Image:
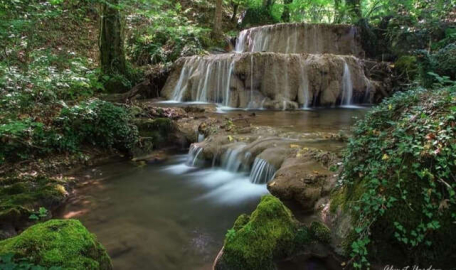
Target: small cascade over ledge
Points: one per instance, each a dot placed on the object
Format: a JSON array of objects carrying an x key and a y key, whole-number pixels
[{"x": 280, "y": 67}]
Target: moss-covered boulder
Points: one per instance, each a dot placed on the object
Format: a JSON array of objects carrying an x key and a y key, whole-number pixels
[
  {"x": 270, "y": 234},
  {"x": 398, "y": 183},
  {"x": 21, "y": 196},
  {"x": 255, "y": 241},
  {"x": 57, "y": 243}
]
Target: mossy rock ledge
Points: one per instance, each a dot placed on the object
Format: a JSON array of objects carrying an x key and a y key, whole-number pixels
[
  {"x": 397, "y": 199},
  {"x": 65, "y": 244},
  {"x": 268, "y": 235}
]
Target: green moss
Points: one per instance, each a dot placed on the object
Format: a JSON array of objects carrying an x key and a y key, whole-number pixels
[
  {"x": 19, "y": 199},
  {"x": 320, "y": 232},
  {"x": 302, "y": 237},
  {"x": 269, "y": 233},
  {"x": 337, "y": 199},
  {"x": 61, "y": 243},
  {"x": 241, "y": 221}
]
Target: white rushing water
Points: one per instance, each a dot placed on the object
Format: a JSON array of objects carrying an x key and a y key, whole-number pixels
[
  {"x": 297, "y": 38},
  {"x": 231, "y": 160},
  {"x": 262, "y": 172},
  {"x": 347, "y": 86},
  {"x": 292, "y": 73}
]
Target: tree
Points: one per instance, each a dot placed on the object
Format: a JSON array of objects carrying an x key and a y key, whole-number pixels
[
  {"x": 112, "y": 54},
  {"x": 217, "y": 30},
  {"x": 286, "y": 10}
]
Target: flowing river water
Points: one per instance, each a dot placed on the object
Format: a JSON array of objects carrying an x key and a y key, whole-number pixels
[{"x": 174, "y": 216}]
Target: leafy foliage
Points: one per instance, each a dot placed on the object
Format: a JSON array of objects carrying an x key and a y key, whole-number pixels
[
  {"x": 399, "y": 181},
  {"x": 92, "y": 122}
]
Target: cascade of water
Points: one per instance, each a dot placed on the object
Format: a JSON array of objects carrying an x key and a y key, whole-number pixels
[
  {"x": 347, "y": 86},
  {"x": 367, "y": 94},
  {"x": 193, "y": 154},
  {"x": 240, "y": 43},
  {"x": 262, "y": 172},
  {"x": 226, "y": 98},
  {"x": 262, "y": 103},
  {"x": 304, "y": 84},
  {"x": 200, "y": 137},
  {"x": 230, "y": 160},
  {"x": 177, "y": 95}
]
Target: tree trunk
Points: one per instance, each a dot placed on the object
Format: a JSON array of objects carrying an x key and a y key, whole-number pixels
[
  {"x": 112, "y": 55},
  {"x": 354, "y": 8},
  {"x": 286, "y": 10},
  {"x": 217, "y": 30}
]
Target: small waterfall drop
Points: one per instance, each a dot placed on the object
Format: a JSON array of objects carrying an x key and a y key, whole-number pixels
[
  {"x": 230, "y": 159},
  {"x": 347, "y": 86},
  {"x": 200, "y": 137},
  {"x": 262, "y": 172},
  {"x": 193, "y": 153},
  {"x": 304, "y": 84}
]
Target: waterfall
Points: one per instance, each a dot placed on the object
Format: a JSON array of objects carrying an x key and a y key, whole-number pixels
[
  {"x": 304, "y": 84},
  {"x": 240, "y": 43},
  {"x": 347, "y": 86},
  {"x": 193, "y": 153},
  {"x": 367, "y": 94},
  {"x": 200, "y": 137},
  {"x": 282, "y": 62},
  {"x": 284, "y": 38},
  {"x": 226, "y": 98},
  {"x": 262, "y": 172},
  {"x": 230, "y": 159}
]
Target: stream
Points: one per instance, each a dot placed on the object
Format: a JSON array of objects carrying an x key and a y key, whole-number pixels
[{"x": 174, "y": 216}]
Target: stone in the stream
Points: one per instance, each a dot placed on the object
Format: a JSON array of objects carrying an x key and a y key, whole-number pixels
[
  {"x": 255, "y": 240},
  {"x": 57, "y": 243},
  {"x": 302, "y": 180},
  {"x": 270, "y": 236}
]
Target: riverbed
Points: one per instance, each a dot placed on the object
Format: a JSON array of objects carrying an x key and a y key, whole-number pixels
[{"x": 175, "y": 216}]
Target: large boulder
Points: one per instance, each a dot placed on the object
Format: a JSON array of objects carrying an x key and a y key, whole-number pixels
[
  {"x": 56, "y": 243},
  {"x": 269, "y": 236}
]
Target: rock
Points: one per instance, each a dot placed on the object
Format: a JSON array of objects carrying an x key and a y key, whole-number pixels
[
  {"x": 58, "y": 243},
  {"x": 254, "y": 241},
  {"x": 301, "y": 180},
  {"x": 271, "y": 236},
  {"x": 277, "y": 79}
]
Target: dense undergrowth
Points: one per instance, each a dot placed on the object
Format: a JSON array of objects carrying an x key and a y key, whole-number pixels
[
  {"x": 399, "y": 181},
  {"x": 94, "y": 122}
]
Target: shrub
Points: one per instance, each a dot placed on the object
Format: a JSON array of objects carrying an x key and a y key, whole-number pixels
[{"x": 398, "y": 180}]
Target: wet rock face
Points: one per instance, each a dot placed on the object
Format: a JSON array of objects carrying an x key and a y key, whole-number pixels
[
  {"x": 269, "y": 80},
  {"x": 280, "y": 67},
  {"x": 301, "y": 38}
]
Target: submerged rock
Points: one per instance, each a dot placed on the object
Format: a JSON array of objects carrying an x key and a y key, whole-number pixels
[{"x": 57, "y": 243}]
